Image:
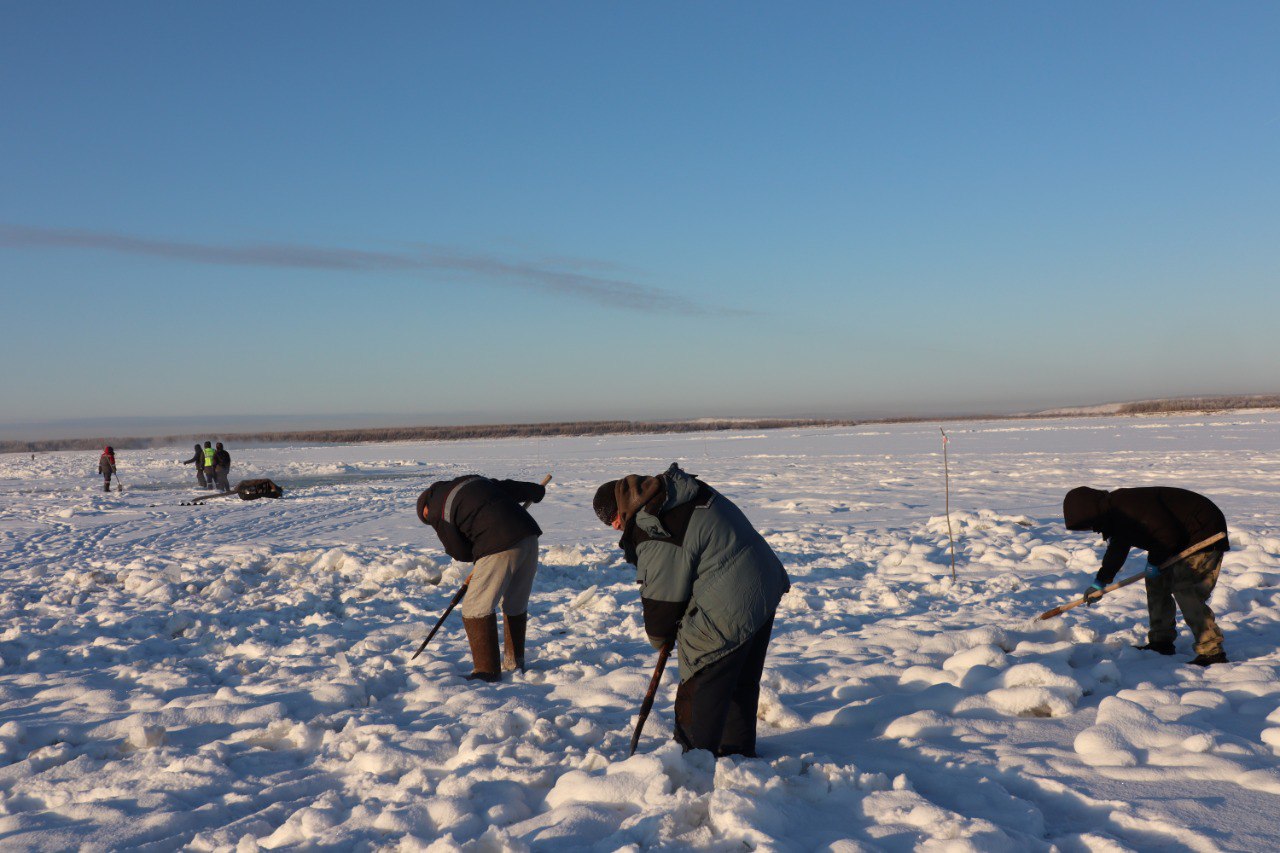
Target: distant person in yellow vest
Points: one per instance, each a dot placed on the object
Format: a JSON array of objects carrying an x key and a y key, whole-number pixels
[{"x": 209, "y": 453}]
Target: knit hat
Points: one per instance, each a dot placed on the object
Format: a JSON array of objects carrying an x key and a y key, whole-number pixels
[{"x": 605, "y": 502}]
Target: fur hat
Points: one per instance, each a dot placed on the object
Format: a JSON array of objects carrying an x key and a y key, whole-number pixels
[{"x": 622, "y": 499}]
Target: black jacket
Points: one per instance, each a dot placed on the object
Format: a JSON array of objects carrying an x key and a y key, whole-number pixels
[
  {"x": 475, "y": 516},
  {"x": 198, "y": 459},
  {"x": 222, "y": 459},
  {"x": 1160, "y": 520}
]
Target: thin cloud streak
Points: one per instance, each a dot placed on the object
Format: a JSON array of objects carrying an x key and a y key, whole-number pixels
[{"x": 547, "y": 277}]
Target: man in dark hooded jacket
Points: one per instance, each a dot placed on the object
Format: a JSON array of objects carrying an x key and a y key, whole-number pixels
[
  {"x": 708, "y": 581},
  {"x": 198, "y": 459},
  {"x": 1165, "y": 522},
  {"x": 481, "y": 521},
  {"x": 221, "y": 468}
]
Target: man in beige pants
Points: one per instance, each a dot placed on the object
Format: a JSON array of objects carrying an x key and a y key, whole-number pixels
[{"x": 482, "y": 521}]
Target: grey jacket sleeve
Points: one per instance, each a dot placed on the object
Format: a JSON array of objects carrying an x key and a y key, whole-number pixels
[{"x": 665, "y": 573}]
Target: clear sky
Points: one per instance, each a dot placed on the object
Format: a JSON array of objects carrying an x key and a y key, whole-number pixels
[{"x": 444, "y": 211}]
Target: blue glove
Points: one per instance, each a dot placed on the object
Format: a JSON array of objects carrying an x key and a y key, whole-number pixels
[
  {"x": 1092, "y": 595},
  {"x": 1152, "y": 572}
]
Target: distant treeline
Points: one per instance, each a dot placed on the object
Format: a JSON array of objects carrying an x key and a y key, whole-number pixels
[
  {"x": 458, "y": 433},
  {"x": 438, "y": 433},
  {"x": 1200, "y": 404}
]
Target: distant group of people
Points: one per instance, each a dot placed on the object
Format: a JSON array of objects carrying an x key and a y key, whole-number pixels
[{"x": 213, "y": 464}]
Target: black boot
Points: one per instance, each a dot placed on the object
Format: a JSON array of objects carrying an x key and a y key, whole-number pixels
[
  {"x": 1210, "y": 660},
  {"x": 482, "y": 634},
  {"x": 1165, "y": 648},
  {"x": 513, "y": 628}
]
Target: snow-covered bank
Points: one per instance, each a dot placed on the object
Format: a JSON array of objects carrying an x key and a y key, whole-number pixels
[{"x": 237, "y": 674}]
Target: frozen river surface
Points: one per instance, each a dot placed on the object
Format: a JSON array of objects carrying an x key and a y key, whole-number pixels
[{"x": 236, "y": 676}]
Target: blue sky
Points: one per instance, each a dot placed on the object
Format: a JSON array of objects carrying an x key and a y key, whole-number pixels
[{"x": 442, "y": 212}]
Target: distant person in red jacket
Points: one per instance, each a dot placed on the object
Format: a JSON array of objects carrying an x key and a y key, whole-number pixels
[{"x": 107, "y": 467}]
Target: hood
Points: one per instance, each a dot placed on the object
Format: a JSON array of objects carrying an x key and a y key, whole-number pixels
[
  {"x": 425, "y": 498},
  {"x": 680, "y": 487},
  {"x": 1083, "y": 508}
]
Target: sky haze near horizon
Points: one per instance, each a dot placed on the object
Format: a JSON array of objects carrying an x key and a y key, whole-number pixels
[{"x": 563, "y": 210}]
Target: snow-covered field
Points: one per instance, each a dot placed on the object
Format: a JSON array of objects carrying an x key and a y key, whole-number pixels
[{"x": 237, "y": 675}]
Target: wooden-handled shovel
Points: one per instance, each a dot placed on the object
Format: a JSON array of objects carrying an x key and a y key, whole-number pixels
[{"x": 1063, "y": 608}]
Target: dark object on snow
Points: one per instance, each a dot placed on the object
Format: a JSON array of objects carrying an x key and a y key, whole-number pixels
[
  {"x": 647, "y": 705},
  {"x": 1158, "y": 648},
  {"x": 246, "y": 490},
  {"x": 251, "y": 490}
]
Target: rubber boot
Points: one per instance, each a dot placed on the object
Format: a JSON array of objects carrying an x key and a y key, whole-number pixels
[
  {"x": 106, "y": 487},
  {"x": 1210, "y": 660},
  {"x": 482, "y": 634},
  {"x": 513, "y": 628},
  {"x": 1161, "y": 648}
]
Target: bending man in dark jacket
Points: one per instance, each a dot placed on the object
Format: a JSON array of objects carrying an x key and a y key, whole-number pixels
[
  {"x": 1164, "y": 522},
  {"x": 482, "y": 521},
  {"x": 709, "y": 581},
  {"x": 199, "y": 460}
]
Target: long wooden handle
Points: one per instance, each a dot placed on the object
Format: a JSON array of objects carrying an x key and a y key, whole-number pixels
[
  {"x": 462, "y": 590},
  {"x": 1186, "y": 552},
  {"x": 647, "y": 705}
]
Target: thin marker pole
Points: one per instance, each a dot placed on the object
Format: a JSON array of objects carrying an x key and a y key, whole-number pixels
[{"x": 946, "y": 472}]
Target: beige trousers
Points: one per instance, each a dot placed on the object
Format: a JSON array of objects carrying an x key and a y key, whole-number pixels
[{"x": 506, "y": 576}]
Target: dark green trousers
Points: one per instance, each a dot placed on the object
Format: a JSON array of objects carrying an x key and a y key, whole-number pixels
[{"x": 1188, "y": 583}]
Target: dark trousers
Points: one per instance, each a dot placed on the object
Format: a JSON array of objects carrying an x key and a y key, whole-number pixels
[
  {"x": 1189, "y": 583},
  {"x": 716, "y": 708}
]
